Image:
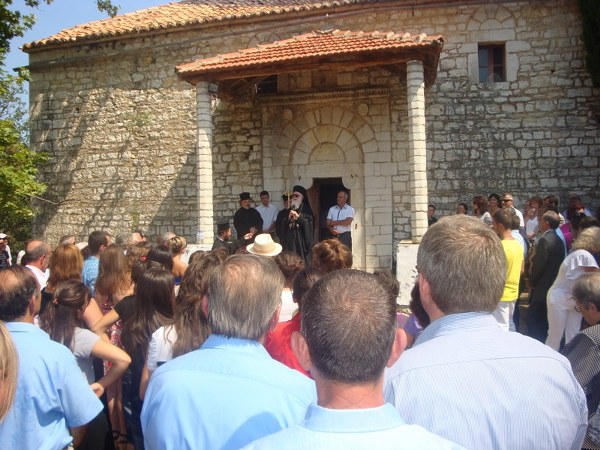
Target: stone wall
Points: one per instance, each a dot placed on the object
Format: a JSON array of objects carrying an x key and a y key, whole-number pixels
[{"x": 120, "y": 126}]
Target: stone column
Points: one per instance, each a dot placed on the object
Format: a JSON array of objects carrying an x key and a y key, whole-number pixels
[
  {"x": 417, "y": 149},
  {"x": 204, "y": 126}
]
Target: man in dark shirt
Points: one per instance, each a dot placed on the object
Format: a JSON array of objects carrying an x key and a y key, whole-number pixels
[
  {"x": 4, "y": 258},
  {"x": 246, "y": 219},
  {"x": 548, "y": 256},
  {"x": 431, "y": 219},
  {"x": 223, "y": 238}
]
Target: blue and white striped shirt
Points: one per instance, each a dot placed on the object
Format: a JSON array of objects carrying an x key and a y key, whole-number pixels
[
  {"x": 482, "y": 387},
  {"x": 89, "y": 274}
]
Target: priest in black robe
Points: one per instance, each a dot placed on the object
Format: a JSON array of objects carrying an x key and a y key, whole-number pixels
[
  {"x": 298, "y": 226},
  {"x": 246, "y": 219},
  {"x": 223, "y": 239}
]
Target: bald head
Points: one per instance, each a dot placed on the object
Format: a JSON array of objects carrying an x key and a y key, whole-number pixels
[
  {"x": 18, "y": 288},
  {"x": 37, "y": 254}
]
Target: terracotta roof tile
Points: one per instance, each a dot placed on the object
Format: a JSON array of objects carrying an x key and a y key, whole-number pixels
[
  {"x": 310, "y": 46},
  {"x": 181, "y": 14}
]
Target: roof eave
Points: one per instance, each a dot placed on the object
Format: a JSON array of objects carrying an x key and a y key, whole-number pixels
[{"x": 429, "y": 54}]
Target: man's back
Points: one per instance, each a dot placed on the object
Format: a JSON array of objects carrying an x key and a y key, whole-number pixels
[
  {"x": 549, "y": 254},
  {"x": 89, "y": 274},
  {"x": 484, "y": 388},
  {"x": 223, "y": 396},
  {"x": 52, "y": 395}
]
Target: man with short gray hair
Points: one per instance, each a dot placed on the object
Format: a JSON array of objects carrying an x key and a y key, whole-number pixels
[
  {"x": 468, "y": 380},
  {"x": 230, "y": 391},
  {"x": 339, "y": 219},
  {"x": 37, "y": 258}
]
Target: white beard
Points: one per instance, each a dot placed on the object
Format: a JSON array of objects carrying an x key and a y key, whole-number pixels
[{"x": 296, "y": 202}]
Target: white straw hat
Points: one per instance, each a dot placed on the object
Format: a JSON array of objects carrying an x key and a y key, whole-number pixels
[{"x": 264, "y": 245}]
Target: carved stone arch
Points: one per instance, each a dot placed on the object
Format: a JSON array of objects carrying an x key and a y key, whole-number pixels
[
  {"x": 315, "y": 135},
  {"x": 492, "y": 17}
]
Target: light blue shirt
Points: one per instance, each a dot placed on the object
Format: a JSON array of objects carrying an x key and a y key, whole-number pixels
[
  {"x": 225, "y": 395},
  {"x": 52, "y": 394},
  {"x": 357, "y": 429},
  {"x": 89, "y": 274},
  {"x": 473, "y": 383}
]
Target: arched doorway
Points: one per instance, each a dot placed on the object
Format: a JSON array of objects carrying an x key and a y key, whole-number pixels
[
  {"x": 322, "y": 195},
  {"x": 327, "y": 147}
]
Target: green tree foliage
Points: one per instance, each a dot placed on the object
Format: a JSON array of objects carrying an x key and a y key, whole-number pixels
[
  {"x": 590, "y": 17},
  {"x": 12, "y": 106},
  {"x": 18, "y": 170},
  {"x": 18, "y": 164}
]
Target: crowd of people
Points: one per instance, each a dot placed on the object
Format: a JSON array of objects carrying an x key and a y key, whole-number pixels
[{"x": 263, "y": 343}]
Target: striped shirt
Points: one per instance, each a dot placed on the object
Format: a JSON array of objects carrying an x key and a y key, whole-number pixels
[
  {"x": 89, "y": 274},
  {"x": 482, "y": 387},
  {"x": 584, "y": 354}
]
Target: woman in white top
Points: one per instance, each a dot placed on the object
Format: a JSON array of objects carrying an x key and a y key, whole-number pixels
[
  {"x": 63, "y": 321},
  {"x": 531, "y": 217},
  {"x": 562, "y": 316},
  {"x": 480, "y": 209},
  {"x": 189, "y": 328}
]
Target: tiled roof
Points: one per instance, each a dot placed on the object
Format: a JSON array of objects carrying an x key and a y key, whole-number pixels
[
  {"x": 318, "y": 50},
  {"x": 182, "y": 14},
  {"x": 316, "y": 43}
]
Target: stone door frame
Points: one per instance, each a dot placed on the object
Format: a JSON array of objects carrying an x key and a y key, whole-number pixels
[{"x": 332, "y": 135}]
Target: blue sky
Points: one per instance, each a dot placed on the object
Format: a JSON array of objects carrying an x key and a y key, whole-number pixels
[{"x": 61, "y": 14}]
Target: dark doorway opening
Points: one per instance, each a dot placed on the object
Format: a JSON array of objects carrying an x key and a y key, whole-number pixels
[{"x": 322, "y": 196}]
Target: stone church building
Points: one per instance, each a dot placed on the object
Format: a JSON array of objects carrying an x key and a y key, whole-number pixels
[{"x": 158, "y": 119}]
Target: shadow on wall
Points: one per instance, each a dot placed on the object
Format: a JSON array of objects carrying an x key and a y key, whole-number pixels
[{"x": 116, "y": 169}]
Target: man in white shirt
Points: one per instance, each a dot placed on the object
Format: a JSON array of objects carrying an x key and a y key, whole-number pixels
[
  {"x": 339, "y": 219},
  {"x": 507, "y": 202},
  {"x": 37, "y": 258},
  {"x": 268, "y": 212}
]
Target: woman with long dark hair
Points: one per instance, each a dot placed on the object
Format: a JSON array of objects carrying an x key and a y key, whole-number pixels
[
  {"x": 113, "y": 283},
  {"x": 153, "y": 309},
  {"x": 62, "y": 320}
]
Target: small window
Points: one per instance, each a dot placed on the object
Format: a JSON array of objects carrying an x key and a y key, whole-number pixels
[
  {"x": 267, "y": 86},
  {"x": 492, "y": 63}
]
